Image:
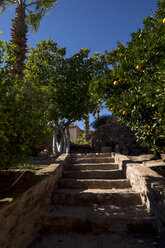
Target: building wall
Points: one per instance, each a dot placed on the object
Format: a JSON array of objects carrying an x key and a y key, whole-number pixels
[{"x": 75, "y": 131}]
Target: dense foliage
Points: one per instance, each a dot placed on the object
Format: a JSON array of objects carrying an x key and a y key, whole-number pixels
[
  {"x": 65, "y": 81},
  {"x": 21, "y": 121},
  {"x": 134, "y": 87},
  {"x": 80, "y": 140},
  {"x": 53, "y": 93}
]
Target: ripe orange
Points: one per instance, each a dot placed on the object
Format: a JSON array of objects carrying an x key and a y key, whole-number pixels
[
  {"x": 148, "y": 133},
  {"x": 112, "y": 109},
  {"x": 116, "y": 83},
  {"x": 164, "y": 21},
  {"x": 153, "y": 105},
  {"x": 149, "y": 127},
  {"x": 124, "y": 112},
  {"x": 139, "y": 66}
]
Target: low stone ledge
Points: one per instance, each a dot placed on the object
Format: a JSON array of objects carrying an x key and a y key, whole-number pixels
[
  {"x": 154, "y": 163},
  {"x": 141, "y": 158},
  {"x": 148, "y": 183},
  {"x": 151, "y": 187},
  {"x": 52, "y": 167},
  {"x": 141, "y": 179},
  {"x": 157, "y": 166},
  {"x": 20, "y": 220},
  {"x": 121, "y": 160}
]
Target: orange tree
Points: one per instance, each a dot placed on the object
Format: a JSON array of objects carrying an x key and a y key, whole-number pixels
[
  {"x": 64, "y": 82},
  {"x": 134, "y": 86}
]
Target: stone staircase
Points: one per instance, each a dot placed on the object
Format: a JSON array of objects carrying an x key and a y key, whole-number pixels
[{"x": 93, "y": 198}]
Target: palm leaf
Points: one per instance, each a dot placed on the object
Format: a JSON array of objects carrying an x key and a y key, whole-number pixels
[
  {"x": 6, "y": 3},
  {"x": 36, "y": 10}
]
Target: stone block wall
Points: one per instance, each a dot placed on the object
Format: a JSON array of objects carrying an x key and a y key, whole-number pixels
[
  {"x": 20, "y": 220},
  {"x": 149, "y": 184},
  {"x": 75, "y": 131}
]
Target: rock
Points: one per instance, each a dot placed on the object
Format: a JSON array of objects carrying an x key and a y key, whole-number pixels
[
  {"x": 141, "y": 158},
  {"x": 43, "y": 153},
  {"x": 162, "y": 156}
]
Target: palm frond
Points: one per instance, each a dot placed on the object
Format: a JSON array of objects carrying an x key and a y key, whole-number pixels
[
  {"x": 6, "y": 3},
  {"x": 36, "y": 10},
  {"x": 33, "y": 20},
  {"x": 2, "y": 6}
]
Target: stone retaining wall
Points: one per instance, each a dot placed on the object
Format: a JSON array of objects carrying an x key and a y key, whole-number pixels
[
  {"x": 20, "y": 220},
  {"x": 149, "y": 184}
]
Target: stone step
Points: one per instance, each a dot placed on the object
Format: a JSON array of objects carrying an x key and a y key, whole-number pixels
[
  {"x": 91, "y": 174},
  {"x": 93, "y": 160},
  {"x": 92, "y": 166},
  {"x": 94, "y": 183},
  {"x": 117, "y": 197},
  {"x": 95, "y": 240},
  {"x": 98, "y": 219},
  {"x": 89, "y": 155}
]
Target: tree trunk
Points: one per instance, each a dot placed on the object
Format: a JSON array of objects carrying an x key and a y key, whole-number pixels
[
  {"x": 55, "y": 150},
  {"x": 86, "y": 129},
  {"x": 18, "y": 33},
  {"x": 67, "y": 140},
  {"x": 97, "y": 114},
  {"x": 64, "y": 139},
  {"x": 60, "y": 146}
]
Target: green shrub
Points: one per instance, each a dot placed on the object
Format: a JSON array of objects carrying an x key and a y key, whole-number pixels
[
  {"x": 81, "y": 140},
  {"x": 22, "y": 119}
]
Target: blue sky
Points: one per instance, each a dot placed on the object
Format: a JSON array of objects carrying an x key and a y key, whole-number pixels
[{"x": 96, "y": 24}]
